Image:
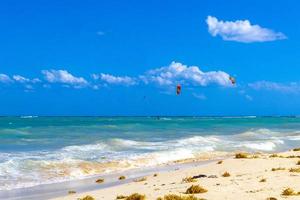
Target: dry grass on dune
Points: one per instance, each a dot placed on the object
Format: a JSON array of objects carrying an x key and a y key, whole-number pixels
[
  {"x": 87, "y": 198},
  {"x": 298, "y": 163},
  {"x": 296, "y": 170},
  {"x": 136, "y": 196},
  {"x": 263, "y": 180},
  {"x": 177, "y": 197},
  {"x": 241, "y": 155},
  {"x": 296, "y": 149},
  {"x": 122, "y": 178},
  {"x": 189, "y": 180},
  {"x": 273, "y": 156},
  {"x": 121, "y": 197},
  {"x": 277, "y": 169},
  {"x": 195, "y": 189},
  {"x": 289, "y": 192},
  {"x": 271, "y": 198},
  {"x": 226, "y": 174}
]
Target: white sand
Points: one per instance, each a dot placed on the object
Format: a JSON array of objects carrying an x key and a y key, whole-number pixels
[{"x": 244, "y": 182}]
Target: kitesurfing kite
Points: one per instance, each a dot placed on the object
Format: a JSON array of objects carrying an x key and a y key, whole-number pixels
[
  {"x": 178, "y": 89},
  {"x": 232, "y": 80}
]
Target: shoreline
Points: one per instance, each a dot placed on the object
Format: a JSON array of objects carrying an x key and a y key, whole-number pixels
[{"x": 54, "y": 190}]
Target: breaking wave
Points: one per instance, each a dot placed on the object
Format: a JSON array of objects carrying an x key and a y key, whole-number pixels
[{"x": 25, "y": 169}]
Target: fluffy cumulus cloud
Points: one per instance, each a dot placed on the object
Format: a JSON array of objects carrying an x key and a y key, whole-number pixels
[
  {"x": 277, "y": 87},
  {"x": 179, "y": 73},
  {"x": 241, "y": 31},
  {"x": 5, "y": 78},
  {"x": 63, "y": 76},
  {"x": 115, "y": 80}
]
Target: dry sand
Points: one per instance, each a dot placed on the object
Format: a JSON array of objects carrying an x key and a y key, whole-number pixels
[{"x": 243, "y": 182}]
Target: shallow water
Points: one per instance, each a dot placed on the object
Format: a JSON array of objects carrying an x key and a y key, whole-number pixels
[{"x": 39, "y": 150}]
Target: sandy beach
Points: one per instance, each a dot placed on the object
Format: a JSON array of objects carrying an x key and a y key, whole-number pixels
[{"x": 259, "y": 176}]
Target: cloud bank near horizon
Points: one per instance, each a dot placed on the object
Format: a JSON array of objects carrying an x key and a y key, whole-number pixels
[{"x": 161, "y": 77}]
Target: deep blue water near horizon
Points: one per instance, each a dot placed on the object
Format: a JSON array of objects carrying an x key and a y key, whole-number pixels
[{"x": 36, "y": 150}]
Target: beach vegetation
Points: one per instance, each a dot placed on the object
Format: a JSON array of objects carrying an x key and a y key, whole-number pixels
[
  {"x": 122, "y": 178},
  {"x": 271, "y": 198},
  {"x": 296, "y": 170},
  {"x": 195, "y": 189},
  {"x": 189, "y": 180},
  {"x": 136, "y": 196},
  {"x": 155, "y": 175},
  {"x": 274, "y": 156},
  {"x": 177, "y": 197},
  {"x": 277, "y": 169},
  {"x": 255, "y": 156},
  {"x": 241, "y": 155},
  {"x": 99, "y": 180},
  {"x": 88, "y": 197},
  {"x": 220, "y": 162},
  {"x": 296, "y": 149},
  {"x": 71, "y": 192},
  {"x": 263, "y": 180},
  {"x": 140, "y": 179},
  {"x": 298, "y": 163},
  {"x": 226, "y": 174},
  {"x": 121, "y": 197},
  {"x": 289, "y": 192}
]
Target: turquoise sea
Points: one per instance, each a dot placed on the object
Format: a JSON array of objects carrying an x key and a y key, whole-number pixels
[{"x": 38, "y": 150}]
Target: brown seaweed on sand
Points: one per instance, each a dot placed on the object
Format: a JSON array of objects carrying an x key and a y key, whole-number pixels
[{"x": 194, "y": 189}]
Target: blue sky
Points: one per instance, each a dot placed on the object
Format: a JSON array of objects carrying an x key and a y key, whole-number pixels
[{"x": 126, "y": 57}]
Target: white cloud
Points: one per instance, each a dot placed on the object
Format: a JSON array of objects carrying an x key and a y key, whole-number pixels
[
  {"x": 22, "y": 79},
  {"x": 5, "y": 78},
  {"x": 292, "y": 87},
  {"x": 63, "y": 76},
  {"x": 179, "y": 73},
  {"x": 117, "y": 80},
  {"x": 241, "y": 31}
]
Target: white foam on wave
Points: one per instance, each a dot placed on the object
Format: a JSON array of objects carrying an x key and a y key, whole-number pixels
[{"x": 79, "y": 161}]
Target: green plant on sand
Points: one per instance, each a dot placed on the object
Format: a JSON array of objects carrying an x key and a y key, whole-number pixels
[{"x": 195, "y": 189}]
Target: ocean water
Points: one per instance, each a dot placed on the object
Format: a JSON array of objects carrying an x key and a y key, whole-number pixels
[{"x": 41, "y": 150}]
